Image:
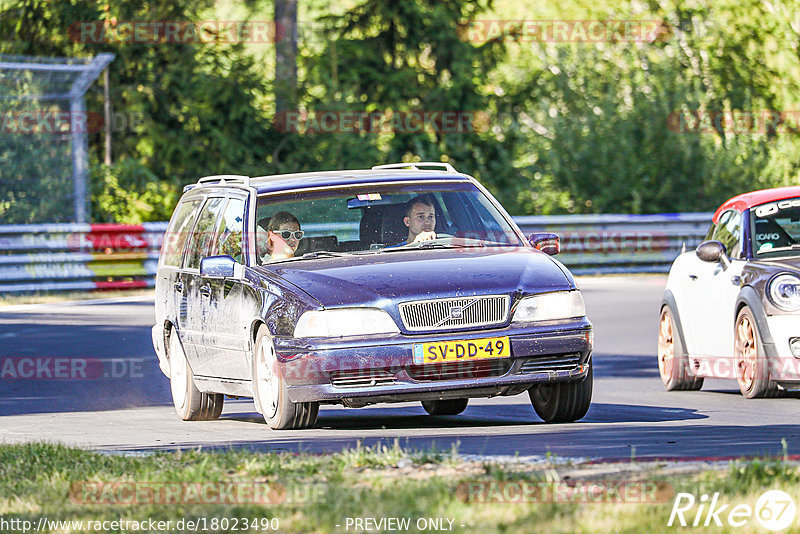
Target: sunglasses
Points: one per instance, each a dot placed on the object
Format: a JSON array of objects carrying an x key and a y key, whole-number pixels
[{"x": 286, "y": 234}]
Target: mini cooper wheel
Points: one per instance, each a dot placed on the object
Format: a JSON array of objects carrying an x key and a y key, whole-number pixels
[
  {"x": 751, "y": 364},
  {"x": 562, "y": 402},
  {"x": 270, "y": 393},
  {"x": 673, "y": 364},
  {"x": 445, "y": 407},
  {"x": 190, "y": 403}
]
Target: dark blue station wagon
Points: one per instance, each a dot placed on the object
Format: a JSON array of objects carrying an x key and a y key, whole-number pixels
[{"x": 406, "y": 282}]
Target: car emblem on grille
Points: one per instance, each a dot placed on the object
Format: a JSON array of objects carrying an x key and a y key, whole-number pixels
[{"x": 456, "y": 312}]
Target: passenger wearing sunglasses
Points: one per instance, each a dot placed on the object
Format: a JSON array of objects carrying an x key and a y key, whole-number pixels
[{"x": 283, "y": 235}]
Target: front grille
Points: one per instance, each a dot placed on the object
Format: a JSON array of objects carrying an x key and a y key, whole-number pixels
[
  {"x": 560, "y": 362},
  {"x": 362, "y": 378},
  {"x": 459, "y": 370},
  {"x": 445, "y": 314}
]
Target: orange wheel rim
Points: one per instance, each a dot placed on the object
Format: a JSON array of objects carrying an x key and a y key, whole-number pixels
[
  {"x": 746, "y": 352},
  {"x": 666, "y": 347}
]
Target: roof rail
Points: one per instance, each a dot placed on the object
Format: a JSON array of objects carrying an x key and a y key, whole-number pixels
[
  {"x": 224, "y": 179},
  {"x": 416, "y": 166}
]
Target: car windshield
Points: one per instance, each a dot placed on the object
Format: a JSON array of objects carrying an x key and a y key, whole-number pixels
[
  {"x": 776, "y": 228},
  {"x": 378, "y": 220}
]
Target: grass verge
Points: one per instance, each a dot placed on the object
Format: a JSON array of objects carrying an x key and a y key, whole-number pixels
[{"x": 425, "y": 490}]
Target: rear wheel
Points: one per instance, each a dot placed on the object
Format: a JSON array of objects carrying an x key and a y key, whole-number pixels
[
  {"x": 562, "y": 402},
  {"x": 445, "y": 407},
  {"x": 270, "y": 393},
  {"x": 752, "y": 367},
  {"x": 190, "y": 403},
  {"x": 673, "y": 363}
]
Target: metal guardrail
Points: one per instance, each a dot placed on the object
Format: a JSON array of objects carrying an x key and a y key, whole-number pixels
[
  {"x": 608, "y": 244},
  {"x": 60, "y": 257},
  {"x": 63, "y": 257}
]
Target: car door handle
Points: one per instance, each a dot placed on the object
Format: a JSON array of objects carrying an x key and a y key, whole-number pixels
[
  {"x": 178, "y": 287},
  {"x": 205, "y": 291},
  {"x": 693, "y": 277}
]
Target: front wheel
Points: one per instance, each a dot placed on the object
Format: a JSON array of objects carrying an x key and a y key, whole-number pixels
[
  {"x": 190, "y": 403},
  {"x": 752, "y": 367},
  {"x": 445, "y": 407},
  {"x": 562, "y": 402},
  {"x": 270, "y": 393}
]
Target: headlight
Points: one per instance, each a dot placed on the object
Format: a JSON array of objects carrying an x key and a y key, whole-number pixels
[
  {"x": 345, "y": 322},
  {"x": 784, "y": 292},
  {"x": 549, "y": 306}
]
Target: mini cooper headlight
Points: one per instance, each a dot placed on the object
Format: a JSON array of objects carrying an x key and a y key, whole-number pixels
[
  {"x": 784, "y": 292},
  {"x": 345, "y": 322},
  {"x": 549, "y": 306}
]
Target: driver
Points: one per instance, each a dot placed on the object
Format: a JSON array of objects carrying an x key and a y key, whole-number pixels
[
  {"x": 420, "y": 219},
  {"x": 283, "y": 236}
]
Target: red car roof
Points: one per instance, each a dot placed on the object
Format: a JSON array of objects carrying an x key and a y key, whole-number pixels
[{"x": 754, "y": 198}]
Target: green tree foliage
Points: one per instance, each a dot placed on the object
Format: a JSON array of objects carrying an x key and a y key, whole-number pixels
[{"x": 578, "y": 127}]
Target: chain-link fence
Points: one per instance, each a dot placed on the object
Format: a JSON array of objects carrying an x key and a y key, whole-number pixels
[{"x": 44, "y": 128}]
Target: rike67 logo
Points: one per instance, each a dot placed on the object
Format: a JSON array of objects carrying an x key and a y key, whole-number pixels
[{"x": 774, "y": 510}]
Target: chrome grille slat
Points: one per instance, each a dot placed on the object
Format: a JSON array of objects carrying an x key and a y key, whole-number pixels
[{"x": 432, "y": 315}]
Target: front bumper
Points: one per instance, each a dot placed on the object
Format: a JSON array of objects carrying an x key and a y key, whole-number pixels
[
  {"x": 782, "y": 328},
  {"x": 360, "y": 371},
  {"x": 157, "y": 333}
]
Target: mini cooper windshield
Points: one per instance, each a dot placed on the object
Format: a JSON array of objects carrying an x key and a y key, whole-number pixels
[
  {"x": 378, "y": 219},
  {"x": 776, "y": 228}
]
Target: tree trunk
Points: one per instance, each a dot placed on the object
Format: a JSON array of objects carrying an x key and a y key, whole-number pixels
[{"x": 285, "y": 55}]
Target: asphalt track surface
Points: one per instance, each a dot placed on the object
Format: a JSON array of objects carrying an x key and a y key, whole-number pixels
[{"x": 124, "y": 404}]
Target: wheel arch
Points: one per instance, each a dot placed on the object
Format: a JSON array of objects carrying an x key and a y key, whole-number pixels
[
  {"x": 668, "y": 301},
  {"x": 749, "y": 297}
]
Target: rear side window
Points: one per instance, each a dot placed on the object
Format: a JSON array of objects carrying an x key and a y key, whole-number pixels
[
  {"x": 203, "y": 233},
  {"x": 177, "y": 232}
]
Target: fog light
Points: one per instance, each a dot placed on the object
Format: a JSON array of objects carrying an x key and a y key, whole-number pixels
[{"x": 794, "y": 345}]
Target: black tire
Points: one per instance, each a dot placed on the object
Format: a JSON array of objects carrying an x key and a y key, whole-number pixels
[
  {"x": 190, "y": 403},
  {"x": 760, "y": 385},
  {"x": 270, "y": 394},
  {"x": 563, "y": 402},
  {"x": 445, "y": 407},
  {"x": 674, "y": 369}
]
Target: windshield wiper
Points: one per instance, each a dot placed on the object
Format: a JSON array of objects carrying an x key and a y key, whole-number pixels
[{"x": 322, "y": 254}]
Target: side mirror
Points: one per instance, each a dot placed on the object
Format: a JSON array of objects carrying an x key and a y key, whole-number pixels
[
  {"x": 221, "y": 267},
  {"x": 712, "y": 252},
  {"x": 546, "y": 242}
]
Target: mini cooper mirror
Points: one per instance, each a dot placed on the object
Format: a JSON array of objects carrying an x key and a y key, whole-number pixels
[
  {"x": 713, "y": 251},
  {"x": 220, "y": 267},
  {"x": 546, "y": 242}
]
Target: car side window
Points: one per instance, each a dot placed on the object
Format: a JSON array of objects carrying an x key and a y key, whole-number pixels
[
  {"x": 229, "y": 238},
  {"x": 178, "y": 231},
  {"x": 729, "y": 232},
  {"x": 204, "y": 231}
]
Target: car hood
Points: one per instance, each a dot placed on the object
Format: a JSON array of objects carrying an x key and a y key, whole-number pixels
[
  {"x": 392, "y": 277},
  {"x": 779, "y": 264}
]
